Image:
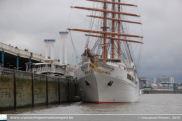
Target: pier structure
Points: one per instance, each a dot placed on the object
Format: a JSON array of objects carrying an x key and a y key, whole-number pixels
[
  {"x": 49, "y": 43},
  {"x": 14, "y": 58},
  {"x": 63, "y": 35}
]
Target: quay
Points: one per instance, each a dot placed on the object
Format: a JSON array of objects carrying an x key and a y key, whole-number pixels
[
  {"x": 161, "y": 92},
  {"x": 26, "y": 89},
  {"x": 28, "y": 79}
]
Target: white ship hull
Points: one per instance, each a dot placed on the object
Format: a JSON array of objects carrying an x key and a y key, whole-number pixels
[{"x": 98, "y": 90}]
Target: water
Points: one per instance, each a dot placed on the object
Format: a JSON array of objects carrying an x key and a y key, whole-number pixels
[{"x": 147, "y": 104}]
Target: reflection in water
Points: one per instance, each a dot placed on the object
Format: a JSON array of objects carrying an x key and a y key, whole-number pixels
[{"x": 147, "y": 104}]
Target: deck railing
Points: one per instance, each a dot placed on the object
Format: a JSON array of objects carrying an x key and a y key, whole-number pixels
[
  {"x": 14, "y": 50},
  {"x": 47, "y": 69}
]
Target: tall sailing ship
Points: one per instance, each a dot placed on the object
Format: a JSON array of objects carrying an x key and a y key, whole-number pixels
[{"x": 107, "y": 73}]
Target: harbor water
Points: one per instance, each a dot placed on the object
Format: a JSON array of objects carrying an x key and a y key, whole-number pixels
[{"x": 147, "y": 104}]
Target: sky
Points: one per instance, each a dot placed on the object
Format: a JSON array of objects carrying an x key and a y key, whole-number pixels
[{"x": 26, "y": 23}]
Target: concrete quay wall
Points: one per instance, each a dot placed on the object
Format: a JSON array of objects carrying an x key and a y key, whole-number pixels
[
  {"x": 161, "y": 92},
  {"x": 24, "y": 89}
]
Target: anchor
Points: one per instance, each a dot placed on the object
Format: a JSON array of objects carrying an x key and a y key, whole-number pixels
[
  {"x": 110, "y": 83},
  {"x": 87, "y": 83}
]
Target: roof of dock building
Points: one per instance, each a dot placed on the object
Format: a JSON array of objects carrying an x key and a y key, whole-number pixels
[{"x": 25, "y": 54}]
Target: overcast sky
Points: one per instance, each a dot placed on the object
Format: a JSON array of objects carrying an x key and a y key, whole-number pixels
[{"x": 26, "y": 23}]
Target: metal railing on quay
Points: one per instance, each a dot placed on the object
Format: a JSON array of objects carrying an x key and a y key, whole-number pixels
[{"x": 47, "y": 69}]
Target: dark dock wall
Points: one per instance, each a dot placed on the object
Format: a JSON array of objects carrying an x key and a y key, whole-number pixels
[
  {"x": 39, "y": 89},
  {"x": 53, "y": 96},
  {"x": 6, "y": 89},
  {"x": 161, "y": 92},
  {"x": 23, "y": 89}
]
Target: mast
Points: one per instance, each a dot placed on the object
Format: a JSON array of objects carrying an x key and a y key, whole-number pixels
[
  {"x": 104, "y": 29},
  {"x": 119, "y": 17},
  {"x": 113, "y": 28}
]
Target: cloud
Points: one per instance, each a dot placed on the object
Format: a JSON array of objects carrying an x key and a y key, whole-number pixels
[{"x": 26, "y": 24}]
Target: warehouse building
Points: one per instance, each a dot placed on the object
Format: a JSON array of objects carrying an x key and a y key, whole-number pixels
[{"x": 159, "y": 80}]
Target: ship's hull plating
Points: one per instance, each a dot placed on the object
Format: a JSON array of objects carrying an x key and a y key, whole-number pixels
[{"x": 100, "y": 92}]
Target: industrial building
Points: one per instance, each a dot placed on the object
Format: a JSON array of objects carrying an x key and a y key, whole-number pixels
[
  {"x": 159, "y": 80},
  {"x": 166, "y": 83},
  {"x": 144, "y": 82},
  {"x": 180, "y": 88}
]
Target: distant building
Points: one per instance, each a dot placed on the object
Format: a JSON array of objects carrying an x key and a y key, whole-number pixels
[
  {"x": 142, "y": 78},
  {"x": 180, "y": 88},
  {"x": 159, "y": 80},
  {"x": 165, "y": 83},
  {"x": 148, "y": 83},
  {"x": 144, "y": 82},
  {"x": 154, "y": 86}
]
